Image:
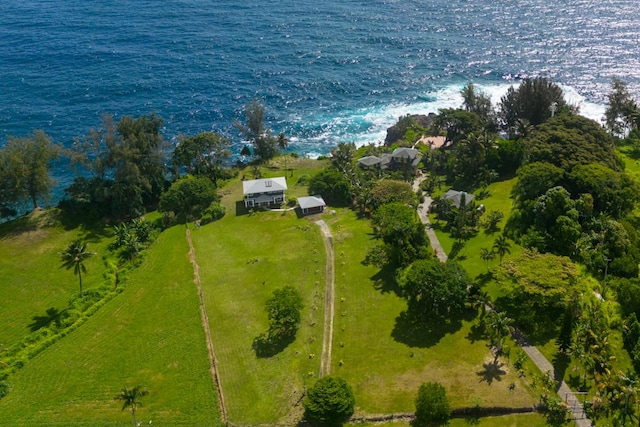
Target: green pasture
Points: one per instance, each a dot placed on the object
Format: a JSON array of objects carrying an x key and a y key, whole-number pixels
[
  {"x": 519, "y": 420},
  {"x": 149, "y": 335},
  {"x": 383, "y": 360},
  {"x": 243, "y": 258},
  {"x": 31, "y": 280}
]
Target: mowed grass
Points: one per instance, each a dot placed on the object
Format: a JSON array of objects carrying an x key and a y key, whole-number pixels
[
  {"x": 385, "y": 364},
  {"x": 31, "y": 280},
  {"x": 149, "y": 335},
  {"x": 519, "y": 420},
  {"x": 243, "y": 259}
]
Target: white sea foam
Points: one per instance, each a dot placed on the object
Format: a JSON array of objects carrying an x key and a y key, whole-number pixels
[{"x": 369, "y": 125}]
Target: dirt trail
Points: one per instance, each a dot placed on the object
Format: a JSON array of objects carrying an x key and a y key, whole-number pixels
[
  {"x": 329, "y": 297},
  {"x": 205, "y": 325}
]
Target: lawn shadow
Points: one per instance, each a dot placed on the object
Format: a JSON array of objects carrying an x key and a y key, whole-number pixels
[
  {"x": 241, "y": 209},
  {"x": 561, "y": 362},
  {"x": 492, "y": 371},
  {"x": 267, "y": 345},
  {"x": 385, "y": 282},
  {"x": 478, "y": 332},
  {"x": 421, "y": 333},
  {"x": 53, "y": 315}
]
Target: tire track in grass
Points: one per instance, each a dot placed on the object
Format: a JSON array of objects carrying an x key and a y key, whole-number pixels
[
  {"x": 205, "y": 325},
  {"x": 329, "y": 297}
]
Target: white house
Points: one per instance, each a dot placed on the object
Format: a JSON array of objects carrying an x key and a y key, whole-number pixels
[
  {"x": 264, "y": 192},
  {"x": 311, "y": 204}
]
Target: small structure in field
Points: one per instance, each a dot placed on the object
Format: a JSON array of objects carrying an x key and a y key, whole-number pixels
[
  {"x": 457, "y": 197},
  {"x": 264, "y": 192},
  {"x": 311, "y": 204}
]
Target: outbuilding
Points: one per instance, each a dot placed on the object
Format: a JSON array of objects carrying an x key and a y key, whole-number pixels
[{"x": 311, "y": 205}]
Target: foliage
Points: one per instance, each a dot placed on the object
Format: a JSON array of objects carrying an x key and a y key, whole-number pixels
[
  {"x": 568, "y": 140},
  {"x": 74, "y": 256},
  {"x": 401, "y": 231},
  {"x": 24, "y": 171},
  {"x": 491, "y": 221},
  {"x": 214, "y": 212},
  {"x": 435, "y": 291},
  {"x": 468, "y": 161},
  {"x": 534, "y": 179},
  {"x": 389, "y": 191},
  {"x": 530, "y": 101},
  {"x": 188, "y": 197},
  {"x": 536, "y": 300},
  {"x": 499, "y": 326},
  {"x": 265, "y": 145},
  {"x": 202, "y": 155},
  {"x": 130, "y": 398},
  {"x": 501, "y": 247},
  {"x": 614, "y": 193},
  {"x": 332, "y": 186},
  {"x": 432, "y": 405},
  {"x": 621, "y": 109},
  {"x": 557, "y": 412},
  {"x": 457, "y": 124},
  {"x": 329, "y": 402},
  {"x": 478, "y": 102},
  {"x": 283, "y": 309}
]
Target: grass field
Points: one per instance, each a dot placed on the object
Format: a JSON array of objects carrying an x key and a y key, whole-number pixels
[
  {"x": 150, "y": 335},
  {"x": 31, "y": 277},
  {"x": 521, "y": 420}
]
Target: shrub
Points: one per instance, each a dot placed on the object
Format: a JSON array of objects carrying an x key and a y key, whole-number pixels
[
  {"x": 214, "y": 212},
  {"x": 329, "y": 402},
  {"x": 432, "y": 405},
  {"x": 5, "y": 388}
]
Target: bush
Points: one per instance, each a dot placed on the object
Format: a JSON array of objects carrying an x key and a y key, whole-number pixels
[
  {"x": 432, "y": 405},
  {"x": 214, "y": 212},
  {"x": 329, "y": 402},
  {"x": 5, "y": 388}
]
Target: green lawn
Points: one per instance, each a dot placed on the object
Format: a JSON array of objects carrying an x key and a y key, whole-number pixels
[
  {"x": 31, "y": 277},
  {"x": 150, "y": 335},
  {"x": 243, "y": 259},
  {"x": 383, "y": 362},
  {"x": 520, "y": 420}
]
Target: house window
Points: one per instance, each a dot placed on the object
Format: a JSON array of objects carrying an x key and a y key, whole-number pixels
[{"x": 267, "y": 184}]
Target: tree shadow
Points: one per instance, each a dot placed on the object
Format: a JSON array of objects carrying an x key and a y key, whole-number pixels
[
  {"x": 241, "y": 209},
  {"x": 53, "y": 315},
  {"x": 267, "y": 345},
  {"x": 561, "y": 362},
  {"x": 456, "y": 249},
  {"x": 385, "y": 282},
  {"x": 478, "y": 332},
  {"x": 421, "y": 332},
  {"x": 492, "y": 371}
]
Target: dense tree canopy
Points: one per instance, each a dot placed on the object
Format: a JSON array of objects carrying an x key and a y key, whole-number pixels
[
  {"x": 476, "y": 101},
  {"x": 203, "y": 154},
  {"x": 401, "y": 231},
  {"x": 622, "y": 110},
  {"x": 284, "y": 309},
  {"x": 329, "y": 402},
  {"x": 569, "y": 140},
  {"x": 332, "y": 185},
  {"x": 457, "y": 123},
  {"x": 536, "y": 300},
  {"x": 434, "y": 291},
  {"x": 534, "y": 179},
  {"x": 530, "y": 102},
  {"x": 24, "y": 171},
  {"x": 389, "y": 191},
  {"x": 265, "y": 144},
  {"x": 188, "y": 197},
  {"x": 432, "y": 405}
]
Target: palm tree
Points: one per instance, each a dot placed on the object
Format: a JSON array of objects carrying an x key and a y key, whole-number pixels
[
  {"x": 74, "y": 257},
  {"x": 487, "y": 256},
  {"x": 502, "y": 247},
  {"x": 131, "y": 399},
  {"x": 499, "y": 327},
  {"x": 283, "y": 143}
]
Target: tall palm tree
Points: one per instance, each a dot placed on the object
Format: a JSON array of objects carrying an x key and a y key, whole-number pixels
[
  {"x": 283, "y": 143},
  {"x": 74, "y": 257},
  {"x": 486, "y": 255},
  {"x": 502, "y": 247},
  {"x": 131, "y": 399},
  {"x": 499, "y": 327}
]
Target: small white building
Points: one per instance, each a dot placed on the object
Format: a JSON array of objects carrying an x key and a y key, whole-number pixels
[
  {"x": 264, "y": 192},
  {"x": 311, "y": 204}
]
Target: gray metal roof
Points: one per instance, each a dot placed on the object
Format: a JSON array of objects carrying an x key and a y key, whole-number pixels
[
  {"x": 264, "y": 185},
  {"x": 311, "y": 202}
]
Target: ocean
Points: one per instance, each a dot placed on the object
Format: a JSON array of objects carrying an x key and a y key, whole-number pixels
[{"x": 326, "y": 71}]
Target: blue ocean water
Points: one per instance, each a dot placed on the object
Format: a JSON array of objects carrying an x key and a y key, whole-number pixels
[{"x": 327, "y": 71}]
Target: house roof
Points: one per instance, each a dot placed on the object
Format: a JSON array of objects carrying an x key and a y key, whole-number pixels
[
  {"x": 405, "y": 153},
  {"x": 311, "y": 202},
  {"x": 369, "y": 160},
  {"x": 456, "y": 197},
  {"x": 264, "y": 185}
]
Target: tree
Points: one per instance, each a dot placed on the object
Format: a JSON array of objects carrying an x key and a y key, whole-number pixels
[
  {"x": 620, "y": 108},
  {"x": 457, "y": 123},
  {"x": 501, "y": 246},
  {"x": 389, "y": 191},
  {"x": 435, "y": 291},
  {"x": 487, "y": 256},
  {"x": 401, "y": 231},
  {"x": 283, "y": 143},
  {"x": 492, "y": 220},
  {"x": 332, "y": 185},
  {"x": 202, "y": 155},
  {"x": 188, "y": 197},
  {"x": 24, "y": 169},
  {"x": 130, "y": 398},
  {"x": 432, "y": 405},
  {"x": 284, "y": 309},
  {"x": 499, "y": 325},
  {"x": 265, "y": 145},
  {"x": 534, "y": 179},
  {"x": 329, "y": 402},
  {"x": 476, "y": 101},
  {"x": 74, "y": 257},
  {"x": 530, "y": 101}
]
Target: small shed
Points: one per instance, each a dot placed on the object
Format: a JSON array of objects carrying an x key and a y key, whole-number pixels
[
  {"x": 311, "y": 204},
  {"x": 457, "y": 197}
]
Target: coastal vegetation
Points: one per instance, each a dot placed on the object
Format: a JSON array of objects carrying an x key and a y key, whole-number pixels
[{"x": 219, "y": 311}]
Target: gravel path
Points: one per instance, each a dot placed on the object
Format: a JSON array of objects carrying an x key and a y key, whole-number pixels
[{"x": 329, "y": 297}]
